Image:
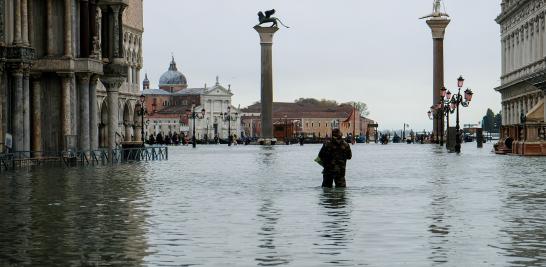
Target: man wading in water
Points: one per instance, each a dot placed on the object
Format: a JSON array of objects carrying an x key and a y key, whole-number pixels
[{"x": 334, "y": 155}]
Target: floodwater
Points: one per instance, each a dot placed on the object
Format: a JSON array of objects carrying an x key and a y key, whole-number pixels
[{"x": 406, "y": 205}]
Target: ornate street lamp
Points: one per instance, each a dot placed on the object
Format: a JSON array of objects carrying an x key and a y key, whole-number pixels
[
  {"x": 229, "y": 118},
  {"x": 194, "y": 115},
  {"x": 459, "y": 100}
]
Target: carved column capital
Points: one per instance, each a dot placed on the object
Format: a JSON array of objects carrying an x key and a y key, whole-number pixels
[
  {"x": 35, "y": 75},
  {"x": 66, "y": 75},
  {"x": 84, "y": 76}
]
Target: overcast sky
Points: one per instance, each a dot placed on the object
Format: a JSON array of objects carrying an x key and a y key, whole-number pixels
[{"x": 377, "y": 52}]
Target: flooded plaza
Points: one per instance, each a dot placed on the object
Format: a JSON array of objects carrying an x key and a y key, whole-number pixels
[{"x": 406, "y": 205}]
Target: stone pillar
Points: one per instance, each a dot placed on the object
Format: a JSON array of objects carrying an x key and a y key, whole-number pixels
[
  {"x": 537, "y": 46},
  {"x": 503, "y": 57},
  {"x": 50, "y": 43},
  {"x": 438, "y": 27},
  {"x": 137, "y": 76},
  {"x": 30, "y": 24},
  {"x": 266, "y": 42},
  {"x": 512, "y": 52},
  {"x": 66, "y": 121},
  {"x": 84, "y": 29},
  {"x": 93, "y": 114},
  {"x": 137, "y": 131},
  {"x": 92, "y": 19},
  {"x": 128, "y": 130},
  {"x": 113, "y": 122},
  {"x": 544, "y": 101},
  {"x": 504, "y": 111},
  {"x": 524, "y": 106},
  {"x": 526, "y": 46},
  {"x": 510, "y": 112},
  {"x": 519, "y": 54},
  {"x": 24, "y": 22},
  {"x": 2, "y": 100},
  {"x": 68, "y": 28},
  {"x": 17, "y": 40},
  {"x": 508, "y": 51},
  {"x": 540, "y": 37},
  {"x": 2, "y": 38},
  {"x": 84, "y": 122},
  {"x": 18, "y": 112},
  {"x": 37, "y": 116},
  {"x": 26, "y": 109},
  {"x": 117, "y": 34}
]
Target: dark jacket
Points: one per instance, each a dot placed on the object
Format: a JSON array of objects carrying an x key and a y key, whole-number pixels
[{"x": 334, "y": 155}]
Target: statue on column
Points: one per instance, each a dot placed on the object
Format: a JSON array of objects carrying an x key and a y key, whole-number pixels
[
  {"x": 267, "y": 18},
  {"x": 436, "y": 11}
]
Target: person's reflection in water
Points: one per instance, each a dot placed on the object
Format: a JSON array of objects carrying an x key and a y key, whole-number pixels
[
  {"x": 335, "y": 232},
  {"x": 269, "y": 217}
]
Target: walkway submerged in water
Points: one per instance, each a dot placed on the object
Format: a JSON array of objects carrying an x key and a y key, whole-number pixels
[{"x": 22, "y": 159}]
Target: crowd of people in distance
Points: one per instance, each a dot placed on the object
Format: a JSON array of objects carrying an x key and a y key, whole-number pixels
[{"x": 183, "y": 139}]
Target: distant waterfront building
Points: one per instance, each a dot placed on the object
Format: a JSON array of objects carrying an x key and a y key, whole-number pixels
[
  {"x": 69, "y": 73},
  {"x": 167, "y": 107},
  {"x": 295, "y": 119},
  {"x": 523, "y": 73}
]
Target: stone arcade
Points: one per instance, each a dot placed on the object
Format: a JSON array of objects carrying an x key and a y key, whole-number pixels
[{"x": 69, "y": 73}]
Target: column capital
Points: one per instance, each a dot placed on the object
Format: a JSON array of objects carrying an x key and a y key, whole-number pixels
[
  {"x": 35, "y": 75},
  {"x": 66, "y": 75},
  {"x": 438, "y": 27},
  {"x": 17, "y": 69},
  {"x": 266, "y": 34},
  {"x": 84, "y": 76},
  {"x": 94, "y": 80}
]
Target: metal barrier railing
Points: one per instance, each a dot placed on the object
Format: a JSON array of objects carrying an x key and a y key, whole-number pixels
[{"x": 11, "y": 161}]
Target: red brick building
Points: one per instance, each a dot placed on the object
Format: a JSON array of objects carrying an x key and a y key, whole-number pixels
[{"x": 295, "y": 119}]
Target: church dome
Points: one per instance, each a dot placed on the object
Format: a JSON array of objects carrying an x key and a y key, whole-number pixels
[{"x": 173, "y": 76}]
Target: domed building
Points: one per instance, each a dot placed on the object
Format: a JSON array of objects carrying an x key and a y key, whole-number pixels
[
  {"x": 167, "y": 108},
  {"x": 173, "y": 80}
]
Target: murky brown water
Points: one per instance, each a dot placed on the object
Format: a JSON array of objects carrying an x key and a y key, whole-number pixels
[{"x": 407, "y": 205}]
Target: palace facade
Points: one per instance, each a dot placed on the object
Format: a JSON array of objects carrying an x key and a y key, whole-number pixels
[
  {"x": 168, "y": 108},
  {"x": 69, "y": 74},
  {"x": 523, "y": 74}
]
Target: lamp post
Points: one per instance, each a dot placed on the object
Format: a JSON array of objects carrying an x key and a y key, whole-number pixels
[
  {"x": 142, "y": 99},
  {"x": 458, "y": 100},
  {"x": 228, "y": 117},
  {"x": 447, "y": 106},
  {"x": 194, "y": 115}
]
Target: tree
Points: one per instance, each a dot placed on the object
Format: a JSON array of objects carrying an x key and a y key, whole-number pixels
[
  {"x": 360, "y": 106},
  {"x": 312, "y": 101},
  {"x": 488, "y": 121},
  {"x": 498, "y": 122}
]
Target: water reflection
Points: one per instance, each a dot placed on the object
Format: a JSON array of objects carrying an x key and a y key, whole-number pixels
[
  {"x": 439, "y": 227},
  {"x": 524, "y": 211},
  {"x": 71, "y": 218},
  {"x": 269, "y": 255},
  {"x": 335, "y": 232}
]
